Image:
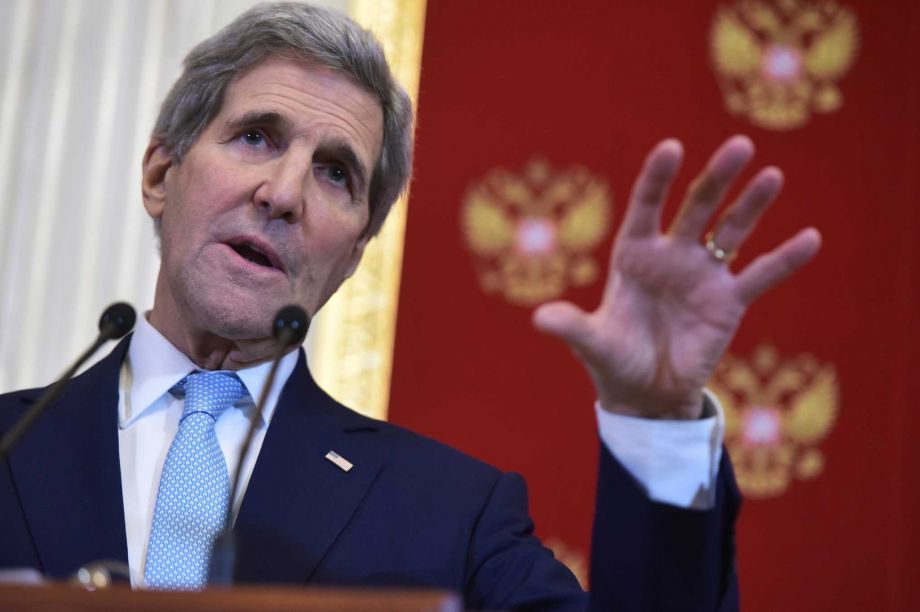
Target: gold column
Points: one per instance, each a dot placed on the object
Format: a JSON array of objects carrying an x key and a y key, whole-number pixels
[{"x": 352, "y": 357}]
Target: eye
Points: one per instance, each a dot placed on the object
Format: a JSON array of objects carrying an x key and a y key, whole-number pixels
[
  {"x": 253, "y": 138},
  {"x": 338, "y": 175},
  {"x": 335, "y": 174}
]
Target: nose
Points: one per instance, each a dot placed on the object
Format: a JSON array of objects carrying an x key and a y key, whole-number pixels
[{"x": 282, "y": 192}]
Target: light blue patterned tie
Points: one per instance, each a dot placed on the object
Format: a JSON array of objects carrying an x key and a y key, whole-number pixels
[{"x": 194, "y": 487}]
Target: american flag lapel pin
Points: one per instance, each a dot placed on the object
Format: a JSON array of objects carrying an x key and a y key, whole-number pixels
[{"x": 343, "y": 463}]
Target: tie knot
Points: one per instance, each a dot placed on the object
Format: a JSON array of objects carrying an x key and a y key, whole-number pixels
[{"x": 210, "y": 392}]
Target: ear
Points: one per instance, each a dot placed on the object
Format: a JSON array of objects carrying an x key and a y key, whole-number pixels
[
  {"x": 356, "y": 255},
  {"x": 157, "y": 160}
]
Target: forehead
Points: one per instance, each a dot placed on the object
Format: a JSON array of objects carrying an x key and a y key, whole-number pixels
[{"x": 314, "y": 100}]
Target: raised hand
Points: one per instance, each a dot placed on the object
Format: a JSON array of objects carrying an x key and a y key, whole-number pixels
[{"x": 671, "y": 304}]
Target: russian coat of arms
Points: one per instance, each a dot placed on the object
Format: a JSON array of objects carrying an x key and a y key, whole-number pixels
[
  {"x": 776, "y": 413},
  {"x": 778, "y": 61},
  {"x": 532, "y": 233}
]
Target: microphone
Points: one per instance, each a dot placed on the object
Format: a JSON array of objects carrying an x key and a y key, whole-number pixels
[
  {"x": 117, "y": 320},
  {"x": 289, "y": 329}
]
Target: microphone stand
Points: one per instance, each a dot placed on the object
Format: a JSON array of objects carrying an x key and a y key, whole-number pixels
[
  {"x": 290, "y": 329},
  {"x": 117, "y": 320}
]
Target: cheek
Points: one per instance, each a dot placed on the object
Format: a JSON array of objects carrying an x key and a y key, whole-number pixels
[
  {"x": 192, "y": 206},
  {"x": 329, "y": 252},
  {"x": 336, "y": 245}
]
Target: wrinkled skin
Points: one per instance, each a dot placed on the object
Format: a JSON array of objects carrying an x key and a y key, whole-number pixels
[
  {"x": 283, "y": 169},
  {"x": 669, "y": 308}
]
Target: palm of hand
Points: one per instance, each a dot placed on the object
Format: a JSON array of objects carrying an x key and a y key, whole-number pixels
[
  {"x": 667, "y": 316},
  {"x": 670, "y": 308}
]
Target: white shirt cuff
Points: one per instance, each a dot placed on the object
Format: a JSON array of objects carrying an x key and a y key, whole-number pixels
[{"x": 677, "y": 462}]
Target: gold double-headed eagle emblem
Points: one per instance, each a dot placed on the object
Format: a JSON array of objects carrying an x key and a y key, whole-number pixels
[
  {"x": 778, "y": 61},
  {"x": 532, "y": 233},
  {"x": 776, "y": 413}
]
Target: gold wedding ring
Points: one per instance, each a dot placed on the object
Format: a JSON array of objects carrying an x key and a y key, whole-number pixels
[{"x": 718, "y": 253}]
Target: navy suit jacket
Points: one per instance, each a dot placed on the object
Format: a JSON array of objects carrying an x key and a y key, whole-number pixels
[{"x": 412, "y": 512}]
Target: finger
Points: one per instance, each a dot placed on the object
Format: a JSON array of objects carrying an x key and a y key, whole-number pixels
[
  {"x": 740, "y": 220},
  {"x": 643, "y": 216},
  {"x": 707, "y": 189},
  {"x": 565, "y": 321},
  {"x": 769, "y": 269}
]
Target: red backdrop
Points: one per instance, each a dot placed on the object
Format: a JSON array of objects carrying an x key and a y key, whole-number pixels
[{"x": 595, "y": 84}]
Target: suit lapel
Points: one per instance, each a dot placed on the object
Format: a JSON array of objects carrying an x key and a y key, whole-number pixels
[
  {"x": 66, "y": 472},
  {"x": 298, "y": 501}
]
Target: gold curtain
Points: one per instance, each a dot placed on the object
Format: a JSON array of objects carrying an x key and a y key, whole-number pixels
[{"x": 352, "y": 353}]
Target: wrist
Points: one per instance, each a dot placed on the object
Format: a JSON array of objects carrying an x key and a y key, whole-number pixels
[{"x": 656, "y": 408}]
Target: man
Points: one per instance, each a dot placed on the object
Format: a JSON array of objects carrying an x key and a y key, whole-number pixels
[{"x": 275, "y": 158}]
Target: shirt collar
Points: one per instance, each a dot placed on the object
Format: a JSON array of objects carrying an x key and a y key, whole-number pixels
[{"x": 154, "y": 366}]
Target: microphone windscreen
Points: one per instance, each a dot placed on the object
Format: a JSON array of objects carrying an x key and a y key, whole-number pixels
[
  {"x": 117, "y": 320},
  {"x": 291, "y": 324}
]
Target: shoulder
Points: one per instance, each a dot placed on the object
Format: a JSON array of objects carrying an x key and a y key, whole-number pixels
[
  {"x": 14, "y": 402},
  {"x": 306, "y": 408},
  {"x": 410, "y": 447},
  {"x": 419, "y": 457},
  {"x": 95, "y": 386},
  {"x": 20, "y": 396}
]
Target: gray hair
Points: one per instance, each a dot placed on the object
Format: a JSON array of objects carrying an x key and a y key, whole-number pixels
[{"x": 299, "y": 32}]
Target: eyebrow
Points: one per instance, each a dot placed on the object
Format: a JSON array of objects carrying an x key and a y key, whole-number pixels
[
  {"x": 259, "y": 119},
  {"x": 338, "y": 149}
]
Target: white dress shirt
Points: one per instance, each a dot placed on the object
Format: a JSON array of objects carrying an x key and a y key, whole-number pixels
[
  {"x": 676, "y": 462},
  {"x": 148, "y": 418}
]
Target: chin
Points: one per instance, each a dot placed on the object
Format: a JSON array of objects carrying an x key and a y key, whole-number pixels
[{"x": 233, "y": 318}]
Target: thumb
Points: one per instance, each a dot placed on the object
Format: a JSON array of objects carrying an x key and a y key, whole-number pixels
[{"x": 565, "y": 321}]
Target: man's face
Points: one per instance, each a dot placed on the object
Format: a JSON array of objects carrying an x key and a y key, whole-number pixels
[{"x": 269, "y": 205}]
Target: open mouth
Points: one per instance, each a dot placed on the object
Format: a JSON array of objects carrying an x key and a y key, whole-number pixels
[{"x": 254, "y": 254}]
